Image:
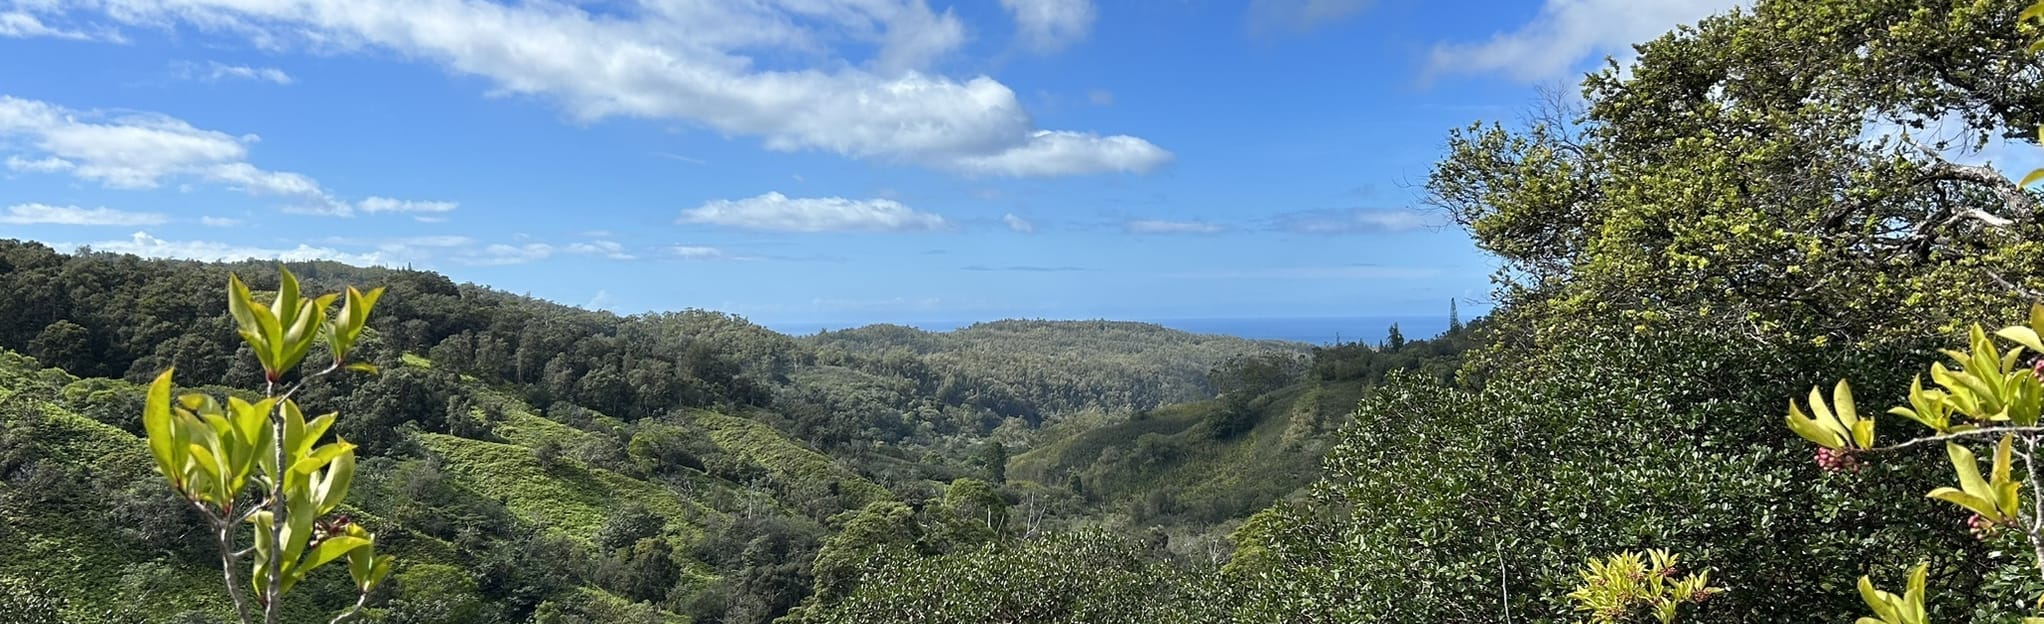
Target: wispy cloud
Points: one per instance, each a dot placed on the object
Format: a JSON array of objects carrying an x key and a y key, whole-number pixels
[
  {"x": 1018, "y": 224},
  {"x": 606, "y": 248},
  {"x": 500, "y": 254},
  {"x": 1050, "y": 25},
  {"x": 1026, "y": 269},
  {"x": 216, "y": 71},
  {"x": 26, "y": 214},
  {"x": 704, "y": 252},
  {"x": 1159, "y": 226},
  {"x": 706, "y": 64},
  {"x": 145, "y": 245},
  {"x": 22, "y": 25},
  {"x": 143, "y": 150},
  {"x": 418, "y": 209},
  {"x": 219, "y": 222},
  {"x": 1271, "y": 17},
  {"x": 1568, "y": 32},
  {"x": 1353, "y": 221},
  {"x": 780, "y": 213},
  {"x": 686, "y": 159}
]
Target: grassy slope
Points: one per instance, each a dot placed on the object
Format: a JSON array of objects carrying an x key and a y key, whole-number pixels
[
  {"x": 1278, "y": 456},
  {"x": 47, "y": 546}
]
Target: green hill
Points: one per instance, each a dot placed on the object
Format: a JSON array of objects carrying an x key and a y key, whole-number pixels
[
  {"x": 77, "y": 486},
  {"x": 1168, "y": 464}
]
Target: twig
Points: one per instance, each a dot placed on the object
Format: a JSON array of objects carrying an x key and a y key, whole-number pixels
[
  {"x": 352, "y": 611},
  {"x": 2036, "y": 528},
  {"x": 230, "y": 559},
  {"x": 1955, "y": 436}
]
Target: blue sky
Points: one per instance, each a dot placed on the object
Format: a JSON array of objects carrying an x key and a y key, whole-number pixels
[{"x": 794, "y": 160}]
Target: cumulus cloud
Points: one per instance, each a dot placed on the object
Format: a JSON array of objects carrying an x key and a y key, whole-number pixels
[
  {"x": 1566, "y": 33},
  {"x": 780, "y": 213},
  {"x": 1269, "y": 17},
  {"x": 1018, "y": 224},
  {"x": 145, "y": 245},
  {"x": 1159, "y": 226},
  {"x": 26, "y": 214},
  {"x": 1050, "y": 25},
  {"x": 145, "y": 150},
  {"x": 700, "y": 63},
  {"x": 1353, "y": 221}
]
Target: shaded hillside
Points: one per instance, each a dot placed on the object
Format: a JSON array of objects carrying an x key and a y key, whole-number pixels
[
  {"x": 1210, "y": 461},
  {"x": 1036, "y": 369}
]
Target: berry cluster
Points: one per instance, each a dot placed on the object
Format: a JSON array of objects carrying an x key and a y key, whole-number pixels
[
  {"x": 329, "y": 526},
  {"x": 1980, "y": 527},
  {"x": 1837, "y": 460}
]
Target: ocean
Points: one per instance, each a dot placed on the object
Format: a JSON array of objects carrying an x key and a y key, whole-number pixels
[{"x": 1313, "y": 330}]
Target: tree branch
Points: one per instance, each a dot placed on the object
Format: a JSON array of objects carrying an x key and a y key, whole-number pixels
[
  {"x": 2018, "y": 201},
  {"x": 1970, "y": 433}
]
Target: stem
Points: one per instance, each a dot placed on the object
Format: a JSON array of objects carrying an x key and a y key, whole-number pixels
[
  {"x": 1970, "y": 433},
  {"x": 2035, "y": 530},
  {"x": 272, "y": 606},
  {"x": 230, "y": 559},
  {"x": 352, "y": 611}
]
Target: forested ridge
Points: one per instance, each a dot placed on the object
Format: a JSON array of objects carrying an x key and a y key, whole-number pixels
[{"x": 1771, "y": 200}]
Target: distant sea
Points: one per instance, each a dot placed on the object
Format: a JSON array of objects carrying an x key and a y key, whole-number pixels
[{"x": 1314, "y": 330}]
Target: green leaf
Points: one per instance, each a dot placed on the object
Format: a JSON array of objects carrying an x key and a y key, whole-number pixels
[
  {"x": 2023, "y": 336},
  {"x": 363, "y": 367},
  {"x": 165, "y": 441}
]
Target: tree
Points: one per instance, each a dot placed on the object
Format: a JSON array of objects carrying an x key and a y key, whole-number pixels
[
  {"x": 63, "y": 344},
  {"x": 1826, "y": 200},
  {"x": 994, "y": 455},
  {"x": 220, "y": 456},
  {"x": 1454, "y": 318},
  {"x": 1394, "y": 340}
]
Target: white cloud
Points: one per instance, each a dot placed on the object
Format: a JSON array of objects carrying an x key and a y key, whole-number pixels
[
  {"x": 702, "y": 252},
  {"x": 1056, "y": 153},
  {"x": 22, "y": 25},
  {"x": 1267, "y": 17},
  {"x": 1049, "y": 25},
  {"x": 777, "y": 212},
  {"x": 219, "y": 222},
  {"x": 143, "y": 244},
  {"x": 145, "y": 150},
  {"x": 40, "y": 165},
  {"x": 704, "y": 63},
  {"x": 1100, "y": 97},
  {"x": 1018, "y": 224},
  {"x": 1568, "y": 32},
  {"x": 601, "y": 301},
  {"x": 385, "y": 204},
  {"x": 1158, "y": 226},
  {"x": 605, "y": 248},
  {"x": 501, "y": 254},
  {"x": 1353, "y": 221},
  {"x": 23, "y": 214},
  {"x": 215, "y": 71}
]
